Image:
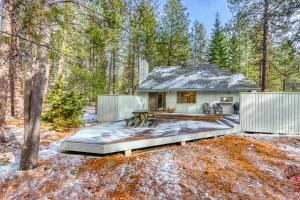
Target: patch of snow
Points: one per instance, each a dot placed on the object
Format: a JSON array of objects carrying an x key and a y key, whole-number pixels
[
  {"x": 90, "y": 115},
  {"x": 89, "y": 118},
  {"x": 266, "y": 136},
  {"x": 51, "y": 151},
  {"x": 48, "y": 133},
  {"x": 9, "y": 134},
  {"x": 8, "y": 163},
  {"x": 235, "y": 79},
  {"x": 110, "y": 132},
  {"x": 191, "y": 80},
  {"x": 159, "y": 170},
  {"x": 165, "y": 70},
  {"x": 291, "y": 150}
]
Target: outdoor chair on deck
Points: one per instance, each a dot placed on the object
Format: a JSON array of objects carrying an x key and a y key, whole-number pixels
[
  {"x": 206, "y": 108},
  {"x": 217, "y": 108},
  {"x": 236, "y": 108}
]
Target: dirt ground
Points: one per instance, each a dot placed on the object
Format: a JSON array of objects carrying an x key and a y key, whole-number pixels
[{"x": 231, "y": 167}]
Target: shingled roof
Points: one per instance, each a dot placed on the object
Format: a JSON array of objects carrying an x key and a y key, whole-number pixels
[{"x": 201, "y": 77}]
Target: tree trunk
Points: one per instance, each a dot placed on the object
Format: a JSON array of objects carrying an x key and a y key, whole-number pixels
[
  {"x": 4, "y": 65},
  {"x": 114, "y": 73},
  {"x": 110, "y": 74},
  {"x": 265, "y": 58},
  {"x": 15, "y": 66},
  {"x": 132, "y": 76},
  {"x": 284, "y": 84},
  {"x": 61, "y": 60},
  {"x": 34, "y": 91},
  {"x": 34, "y": 96}
]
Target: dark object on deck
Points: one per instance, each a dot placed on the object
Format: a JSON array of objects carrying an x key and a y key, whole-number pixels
[
  {"x": 217, "y": 108},
  {"x": 140, "y": 119},
  {"x": 206, "y": 108},
  {"x": 236, "y": 107}
]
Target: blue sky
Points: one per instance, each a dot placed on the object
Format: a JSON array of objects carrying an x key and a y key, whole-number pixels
[{"x": 205, "y": 11}]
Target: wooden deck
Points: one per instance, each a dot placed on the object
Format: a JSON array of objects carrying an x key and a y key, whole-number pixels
[{"x": 149, "y": 138}]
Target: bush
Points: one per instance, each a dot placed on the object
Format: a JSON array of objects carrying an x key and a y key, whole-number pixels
[{"x": 64, "y": 108}]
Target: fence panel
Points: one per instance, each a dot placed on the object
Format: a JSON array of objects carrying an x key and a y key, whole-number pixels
[
  {"x": 272, "y": 112},
  {"x": 119, "y": 107}
]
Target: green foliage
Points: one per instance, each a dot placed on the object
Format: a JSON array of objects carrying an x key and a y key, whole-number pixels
[
  {"x": 248, "y": 28},
  {"x": 286, "y": 63},
  {"x": 64, "y": 108},
  {"x": 4, "y": 37},
  {"x": 218, "y": 52},
  {"x": 199, "y": 43},
  {"x": 173, "y": 41},
  {"x": 234, "y": 55}
]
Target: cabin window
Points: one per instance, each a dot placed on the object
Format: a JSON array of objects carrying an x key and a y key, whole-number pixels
[
  {"x": 186, "y": 97},
  {"x": 226, "y": 99}
]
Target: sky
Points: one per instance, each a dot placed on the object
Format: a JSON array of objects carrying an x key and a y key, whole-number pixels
[{"x": 205, "y": 11}]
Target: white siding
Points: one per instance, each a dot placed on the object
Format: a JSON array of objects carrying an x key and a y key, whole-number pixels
[
  {"x": 202, "y": 97},
  {"x": 119, "y": 107},
  {"x": 270, "y": 112}
]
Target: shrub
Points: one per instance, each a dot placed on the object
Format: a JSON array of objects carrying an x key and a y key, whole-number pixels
[{"x": 64, "y": 108}]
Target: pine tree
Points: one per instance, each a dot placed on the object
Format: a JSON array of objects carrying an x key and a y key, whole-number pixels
[
  {"x": 218, "y": 52},
  {"x": 269, "y": 18},
  {"x": 234, "y": 53},
  {"x": 286, "y": 62},
  {"x": 173, "y": 42},
  {"x": 198, "y": 43}
]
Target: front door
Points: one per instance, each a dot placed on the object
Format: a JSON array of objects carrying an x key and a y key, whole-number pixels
[{"x": 157, "y": 101}]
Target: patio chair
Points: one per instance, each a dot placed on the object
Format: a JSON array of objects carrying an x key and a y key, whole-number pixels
[
  {"x": 236, "y": 108},
  {"x": 217, "y": 108},
  {"x": 206, "y": 108}
]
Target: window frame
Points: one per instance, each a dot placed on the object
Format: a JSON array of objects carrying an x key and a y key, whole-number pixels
[
  {"x": 179, "y": 93},
  {"x": 229, "y": 97}
]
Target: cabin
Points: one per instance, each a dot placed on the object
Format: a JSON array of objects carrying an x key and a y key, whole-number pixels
[
  {"x": 186, "y": 88},
  {"x": 182, "y": 89}
]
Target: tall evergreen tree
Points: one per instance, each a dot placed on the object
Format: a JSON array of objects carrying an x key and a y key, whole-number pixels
[
  {"x": 198, "y": 43},
  {"x": 218, "y": 52},
  {"x": 271, "y": 18},
  {"x": 173, "y": 42},
  {"x": 287, "y": 62},
  {"x": 234, "y": 53}
]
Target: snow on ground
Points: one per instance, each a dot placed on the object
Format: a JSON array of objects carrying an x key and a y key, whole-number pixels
[
  {"x": 249, "y": 166},
  {"x": 90, "y": 115},
  {"x": 234, "y": 117},
  {"x": 114, "y": 131}
]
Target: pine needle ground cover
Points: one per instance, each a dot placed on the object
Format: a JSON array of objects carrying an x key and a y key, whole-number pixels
[{"x": 230, "y": 167}]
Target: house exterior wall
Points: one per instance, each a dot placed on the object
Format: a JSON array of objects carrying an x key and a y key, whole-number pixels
[{"x": 202, "y": 97}]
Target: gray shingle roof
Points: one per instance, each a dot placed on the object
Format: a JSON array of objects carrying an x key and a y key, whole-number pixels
[{"x": 201, "y": 77}]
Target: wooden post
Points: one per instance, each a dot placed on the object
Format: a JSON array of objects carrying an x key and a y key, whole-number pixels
[{"x": 127, "y": 152}]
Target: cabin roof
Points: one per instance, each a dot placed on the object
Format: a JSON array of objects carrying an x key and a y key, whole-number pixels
[{"x": 200, "y": 77}]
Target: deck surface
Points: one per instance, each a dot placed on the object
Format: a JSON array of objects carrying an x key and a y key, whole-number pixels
[{"x": 114, "y": 137}]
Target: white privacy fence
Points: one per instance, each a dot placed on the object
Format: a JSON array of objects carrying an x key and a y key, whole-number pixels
[
  {"x": 118, "y": 107},
  {"x": 270, "y": 112}
]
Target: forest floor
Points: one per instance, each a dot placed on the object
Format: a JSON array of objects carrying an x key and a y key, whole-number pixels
[{"x": 247, "y": 166}]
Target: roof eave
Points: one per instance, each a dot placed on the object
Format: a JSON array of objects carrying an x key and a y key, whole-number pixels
[{"x": 193, "y": 89}]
